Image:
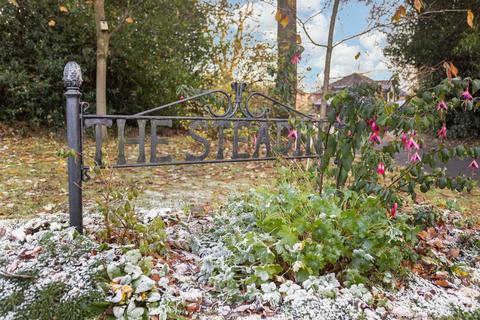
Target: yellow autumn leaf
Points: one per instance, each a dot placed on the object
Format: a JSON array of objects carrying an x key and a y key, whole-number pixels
[
  {"x": 284, "y": 21},
  {"x": 14, "y": 2},
  {"x": 418, "y": 5},
  {"x": 63, "y": 9},
  {"x": 298, "y": 39},
  {"x": 278, "y": 15},
  {"x": 470, "y": 18},
  {"x": 52, "y": 23},
  {"x": 129, "y": 20},
  {"x": 357, "y": 56},
  {"x": 399, "y": 13}
]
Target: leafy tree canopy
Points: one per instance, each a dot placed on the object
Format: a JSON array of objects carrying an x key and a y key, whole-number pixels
[{"x": 161, "y": 46}]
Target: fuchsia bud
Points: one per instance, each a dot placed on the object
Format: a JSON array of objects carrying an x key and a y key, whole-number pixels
[
  {"x": 466, "y": 95},
  {"x": 442, "y": 105},
  {"x": 442, "y": 133},
  {"x": 415, "y": 157},
  {"x": 473, "y": 164},
  {"x": 381, "y": 168},
  {"x": 293, "y": 134},
  {"x": 339, "y": 120},
  {"x": 296, "y": 58},
  {"x": 404, "y": 139},
  {"x": 393, "y": 211}
]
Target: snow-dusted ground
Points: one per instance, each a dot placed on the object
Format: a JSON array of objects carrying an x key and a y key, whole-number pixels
[{"x": 316, "y": 298}]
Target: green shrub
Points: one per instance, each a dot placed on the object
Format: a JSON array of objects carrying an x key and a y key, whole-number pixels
[{"x": 294, "y": 234}]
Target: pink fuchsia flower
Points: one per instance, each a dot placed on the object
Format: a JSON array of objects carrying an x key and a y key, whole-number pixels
[
  {"x": 339, "y": 120},
  {"x": 375, "y": 138},
  {"x": 473, "y": 164},
  {"x": 292, "y": 133},
  {"x": 254, "y": 140},
  {"x": 415, "y": 157},
  {"x": 442, "y": 133},
  {"x": 466, "y": 95},
  {"x": 375, "y": 127},
  {"x": 381, "y": 168},
  {"x": 296, "y": 58},
  {"x": 412, "y": 144},
  {"x": 393, "y": 210},
  {"x": 442, "y": 105}
]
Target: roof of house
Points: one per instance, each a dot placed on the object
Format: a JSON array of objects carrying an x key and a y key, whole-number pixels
[{"x": 350, "y": 80}]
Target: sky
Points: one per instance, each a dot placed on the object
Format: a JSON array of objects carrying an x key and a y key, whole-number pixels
[{"x": 352, "y": 19}]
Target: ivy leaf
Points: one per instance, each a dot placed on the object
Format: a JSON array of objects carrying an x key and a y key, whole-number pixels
[{"x": 470, "y": 18}]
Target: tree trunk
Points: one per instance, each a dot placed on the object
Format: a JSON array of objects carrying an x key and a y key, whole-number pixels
[
  {"x": 286, "y": 42},
  {"x": 328, "y": 60},
  {"x": 103, "y": 39}
]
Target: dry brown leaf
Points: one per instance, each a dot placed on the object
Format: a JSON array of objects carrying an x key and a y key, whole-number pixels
[
  {"x": 52, "y": 23},
  {"x": 399, "y": 13},
  {"x": 423, "y": 235},
  {"x": 418, "y": 5},
  {"x": 129, "y": 20},
  {"x": 298, "y": 39},
  {"x": 63, "y": 9},
  {"x": 454, "y": 253},
  {"x": 14, "y": 2},
  {"x": 192, "y": 307},
  {"x": 470, "y": 18},
  {"x": 453, "y": 70},
  {"x": 443, "y": 283},
  {"x": 278, "y": 16}
]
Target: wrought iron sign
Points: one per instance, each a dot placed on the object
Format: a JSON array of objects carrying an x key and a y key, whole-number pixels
[{"x": 270, "y": 141}]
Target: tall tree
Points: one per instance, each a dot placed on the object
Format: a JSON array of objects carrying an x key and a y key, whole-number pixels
[
  {"x": 235, "y": 51},
  {"x": 286, "y": 82}
]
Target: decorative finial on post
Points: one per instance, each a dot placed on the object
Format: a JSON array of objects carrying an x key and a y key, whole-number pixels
[{"x": 72, "y": 75}]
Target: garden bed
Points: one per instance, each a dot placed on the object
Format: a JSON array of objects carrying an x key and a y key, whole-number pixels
[{"x": 49, "y": 271}]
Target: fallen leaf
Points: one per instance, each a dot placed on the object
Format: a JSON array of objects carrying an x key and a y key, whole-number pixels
[
  {"x": 454, "y": 253},
  {"x": 51, "y": 23},
  {"x": 443, "y": 283},
  {"x": 14, "y": 2},
  {"x": 129, "y": 20},
  {"x": 192, "y": 307},
  {"x": 423, "y": 235},
  {"x": 63, "y": 9}
]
